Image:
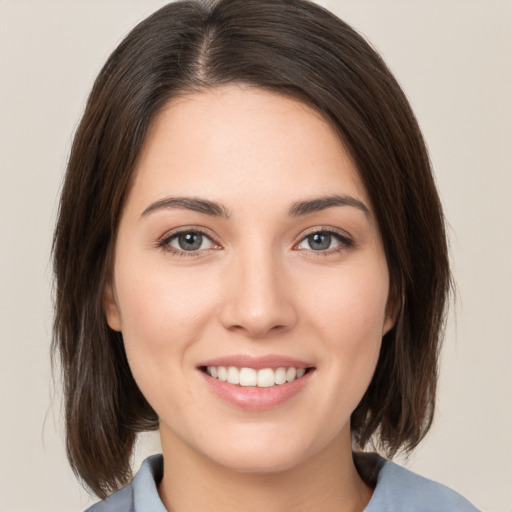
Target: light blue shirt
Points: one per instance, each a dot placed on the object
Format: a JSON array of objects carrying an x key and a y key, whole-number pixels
[{"x": 397, "y": 490}]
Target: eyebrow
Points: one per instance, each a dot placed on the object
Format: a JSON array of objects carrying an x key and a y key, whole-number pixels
[
  {"x": 215, "y": 209},
  {"x": 322, "y": 203},
  {"x": 188, "y": 203}
]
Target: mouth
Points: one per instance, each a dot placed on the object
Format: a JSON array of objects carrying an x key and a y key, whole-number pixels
[
  {"x": 256, "y": 377},
  {"x": 256, "y": 383}
]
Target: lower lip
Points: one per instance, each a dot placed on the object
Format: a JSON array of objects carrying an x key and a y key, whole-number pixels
[{"x": 254, "y": 398}]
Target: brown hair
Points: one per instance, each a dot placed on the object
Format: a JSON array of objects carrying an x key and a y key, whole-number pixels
[{"x": 291, "y": 47}]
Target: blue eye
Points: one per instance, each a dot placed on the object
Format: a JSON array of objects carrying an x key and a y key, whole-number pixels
[
  {"x": 321, "y": 241},
  {"x": 189, "y": 241}
]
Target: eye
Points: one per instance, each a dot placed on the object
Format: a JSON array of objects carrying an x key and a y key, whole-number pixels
[
  {"x": 323, "y": 241},
  {"x": 188, "y": 241}
]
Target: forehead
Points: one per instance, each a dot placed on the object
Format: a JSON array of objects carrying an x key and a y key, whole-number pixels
[{"x": 241, "y": 141}]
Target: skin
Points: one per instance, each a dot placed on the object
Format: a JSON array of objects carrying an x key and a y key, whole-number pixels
[{"x": 254, "y": 287}]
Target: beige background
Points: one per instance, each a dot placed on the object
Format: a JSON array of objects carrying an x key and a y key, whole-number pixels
[{"x": 454, "y": 60}]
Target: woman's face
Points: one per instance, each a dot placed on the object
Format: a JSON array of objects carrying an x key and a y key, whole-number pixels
[{"x": 248, "y": 250}]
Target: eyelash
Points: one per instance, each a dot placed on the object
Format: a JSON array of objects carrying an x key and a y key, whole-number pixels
[
  {"x": 165, "y": 242},
  {"x": 345, "y": 243}
]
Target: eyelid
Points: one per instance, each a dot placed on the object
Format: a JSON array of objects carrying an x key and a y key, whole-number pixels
[
  {"x": 346, "y": 240},
  {"x": 164, "y": 241}
]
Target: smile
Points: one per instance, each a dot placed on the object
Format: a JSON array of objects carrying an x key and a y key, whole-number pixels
[
  {"x": 256, "y": 383},
  {"x": 262, "y": 378}
]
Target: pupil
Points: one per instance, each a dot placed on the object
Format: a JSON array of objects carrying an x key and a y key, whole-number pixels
[
  {"x": 319, "y": 241},
  {"x": 190, "y": 241}
]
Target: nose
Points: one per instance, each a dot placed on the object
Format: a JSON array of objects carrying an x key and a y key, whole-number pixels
[{"x": 258, "y": 300}]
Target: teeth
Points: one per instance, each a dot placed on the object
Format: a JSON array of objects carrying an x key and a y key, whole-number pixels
[
  {"x": 248, "y": 377},
  {"x": 264, "y": 378},
  {"x": 222, "y": 373},
  {"x": 291, "y": 373},
  {"x": 279, "y": 376},
  {"x": 233, "y": 375}
]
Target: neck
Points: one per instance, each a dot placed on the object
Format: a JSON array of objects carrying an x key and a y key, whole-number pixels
[{"x": 328, "y": 481}]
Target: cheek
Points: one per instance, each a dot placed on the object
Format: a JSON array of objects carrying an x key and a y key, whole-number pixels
[
  {"x": 162, "y": 315},
  {"x": 157, "y": 304},
  {"x": 351, "y": 305},
  {"x": 348, "y": 317}
]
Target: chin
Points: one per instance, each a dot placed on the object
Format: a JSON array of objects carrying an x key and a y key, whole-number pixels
[
  {"x": 249, "y": 463},
  {"x": 264, "y": 456}
]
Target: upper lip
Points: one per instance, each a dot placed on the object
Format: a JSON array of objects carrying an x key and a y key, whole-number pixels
[{"x": 256, "y": 362}]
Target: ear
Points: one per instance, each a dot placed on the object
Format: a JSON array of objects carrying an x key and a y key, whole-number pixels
[
  {"x": 111, "y": 308},
  {"x": 393, "y": 307}
]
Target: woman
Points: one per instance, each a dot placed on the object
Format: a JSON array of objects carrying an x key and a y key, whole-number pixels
[{"x": 250, "y": 256}]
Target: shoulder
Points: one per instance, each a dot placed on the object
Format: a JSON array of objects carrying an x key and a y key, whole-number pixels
[
  {"x": 120, "y": 501},
  {"x": 401, "y": 490},
  {"x": 141, "y": 495}
]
